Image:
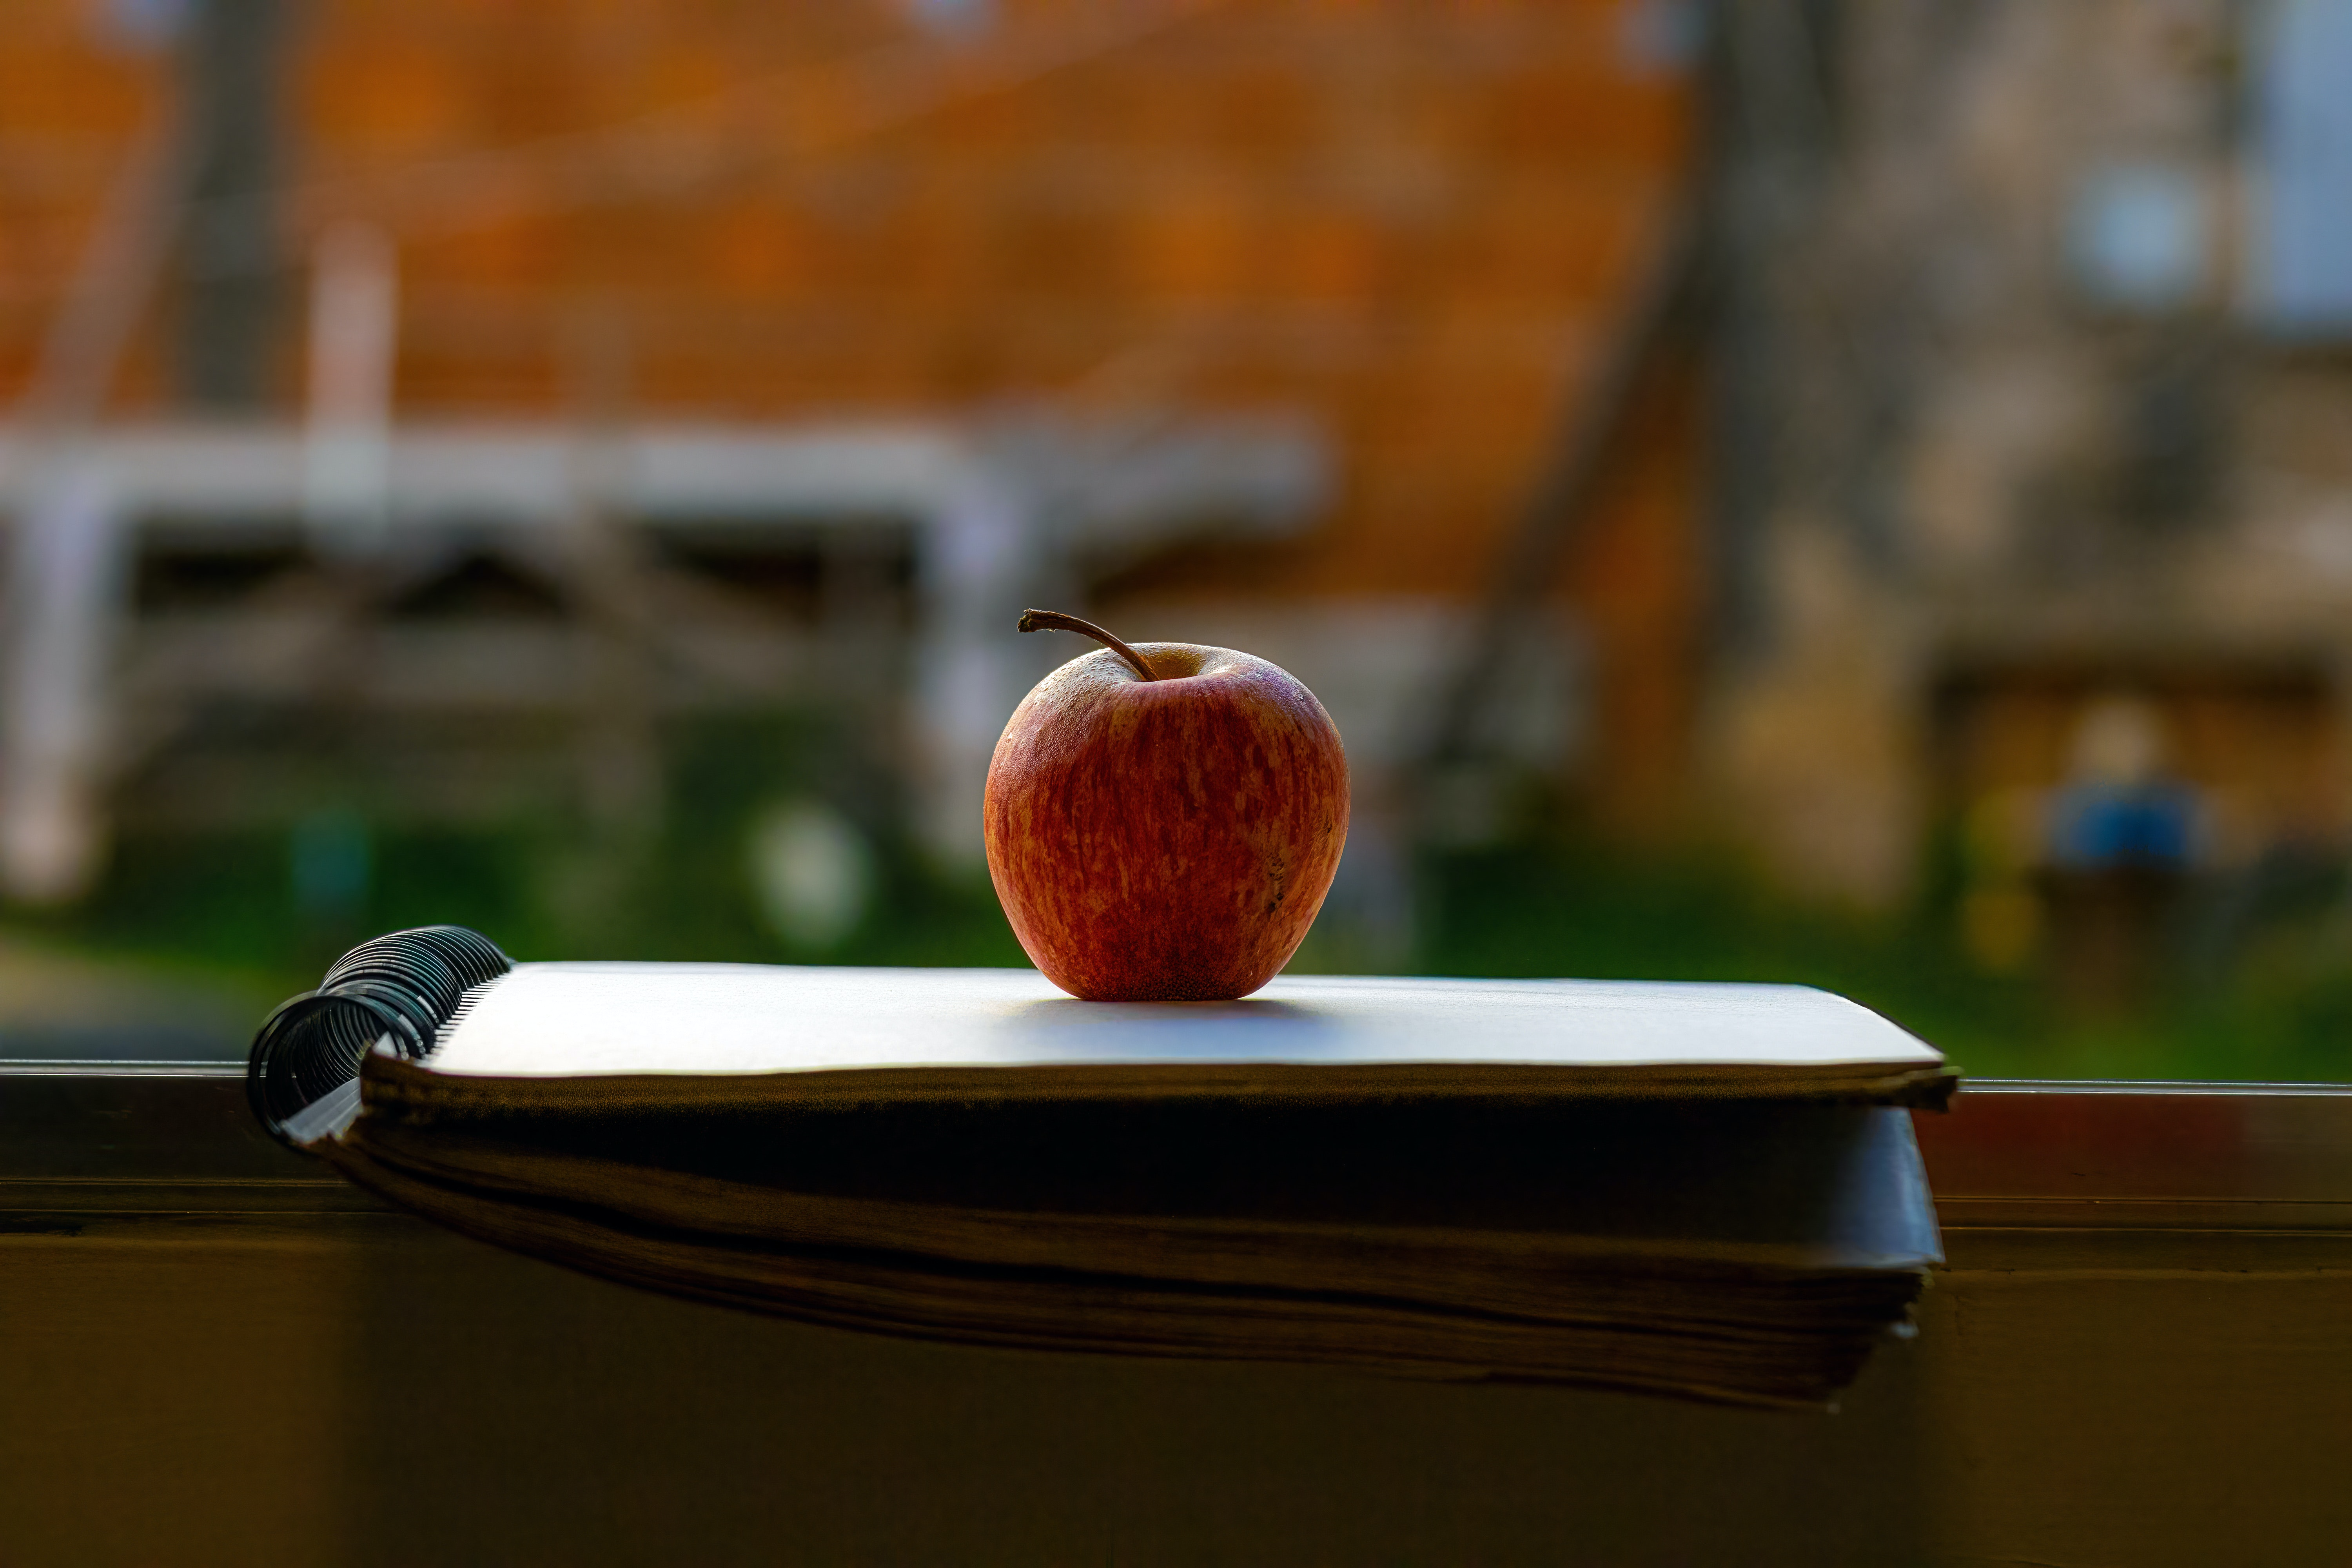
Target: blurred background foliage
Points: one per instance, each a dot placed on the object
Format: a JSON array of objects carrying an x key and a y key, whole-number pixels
[
  {"x": 2259, "y": 994},
  {"x": 1768, "y": 489}
]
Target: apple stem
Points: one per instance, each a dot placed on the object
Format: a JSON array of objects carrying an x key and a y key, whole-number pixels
[{"x": 1055, "y": 621}]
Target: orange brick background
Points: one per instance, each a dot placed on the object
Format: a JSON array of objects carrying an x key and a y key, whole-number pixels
[{"x": 1413, "y": 219}]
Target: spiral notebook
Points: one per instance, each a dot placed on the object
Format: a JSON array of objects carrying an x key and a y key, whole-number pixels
[{"x": 1709, "y": 1190}]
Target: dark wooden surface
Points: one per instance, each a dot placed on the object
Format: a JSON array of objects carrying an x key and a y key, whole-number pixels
[{"x": 2141, "y": 1352}]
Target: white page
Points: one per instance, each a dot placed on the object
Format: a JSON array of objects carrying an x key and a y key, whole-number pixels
[{"x": 581, "y": 1019}]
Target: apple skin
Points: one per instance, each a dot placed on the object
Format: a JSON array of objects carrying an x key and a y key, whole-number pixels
[{"x": 1165, "y": 840}]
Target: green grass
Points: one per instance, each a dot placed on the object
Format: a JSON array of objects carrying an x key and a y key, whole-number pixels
[{"x": 2280, "y": 1007}]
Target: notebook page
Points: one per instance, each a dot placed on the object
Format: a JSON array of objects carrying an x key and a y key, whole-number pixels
[{"x": 581, "y": 1019}]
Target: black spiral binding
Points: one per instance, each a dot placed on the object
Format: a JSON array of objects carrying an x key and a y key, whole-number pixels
[{"x": 400, "y": 989}]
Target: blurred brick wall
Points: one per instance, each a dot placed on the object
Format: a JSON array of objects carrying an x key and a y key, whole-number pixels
[{"x": 1413, "y": 219}]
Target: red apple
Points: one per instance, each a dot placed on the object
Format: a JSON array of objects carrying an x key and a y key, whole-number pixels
[{"x": 1164, "y": 820}]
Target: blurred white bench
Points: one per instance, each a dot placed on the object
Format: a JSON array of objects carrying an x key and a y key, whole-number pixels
[{"x": 997, "y": 513}]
